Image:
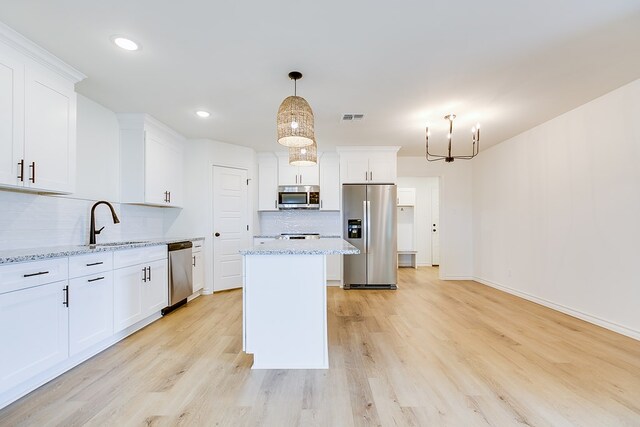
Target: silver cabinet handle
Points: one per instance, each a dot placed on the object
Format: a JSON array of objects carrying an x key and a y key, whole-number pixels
[
  {"x": 300, "y": 178},
  {"x": 370, "y": 176}
]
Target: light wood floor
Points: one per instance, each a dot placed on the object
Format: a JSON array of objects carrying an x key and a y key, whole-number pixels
[{"x": 431, "y": 353}]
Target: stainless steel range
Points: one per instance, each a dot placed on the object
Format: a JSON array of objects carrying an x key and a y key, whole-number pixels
[{"x": 292, "y": 236}]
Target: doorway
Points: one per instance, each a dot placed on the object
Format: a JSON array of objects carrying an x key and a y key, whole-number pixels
[{"x": 230, "y": 225}]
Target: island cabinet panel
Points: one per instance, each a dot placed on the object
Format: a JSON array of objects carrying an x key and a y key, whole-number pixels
[
  {"x": 285, "y": 317},
  {"x": 35, "y": 336}
]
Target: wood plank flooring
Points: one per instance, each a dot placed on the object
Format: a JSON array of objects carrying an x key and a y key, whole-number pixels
[{"x": 431, "y": 353}]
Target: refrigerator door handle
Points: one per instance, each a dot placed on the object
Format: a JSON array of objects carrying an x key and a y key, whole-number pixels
[
  {"x": 368, "y": 229},
  {"x": 364, "y": 226}
]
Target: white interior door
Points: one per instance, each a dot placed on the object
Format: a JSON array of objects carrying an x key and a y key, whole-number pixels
[
  {"x": 230, "y": 226},
  {"x": 435, "y": 226}
]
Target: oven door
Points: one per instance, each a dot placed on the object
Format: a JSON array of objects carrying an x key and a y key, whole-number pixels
[{"x": 293, "y": 200}]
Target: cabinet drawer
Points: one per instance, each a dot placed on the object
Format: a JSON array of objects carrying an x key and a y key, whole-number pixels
[
  {"x": 136, "y": 256},
  {"x": 28, "y": 274},
  {"x": 262, "y": 240},
  {"x": 83, "y": 265},
  {"x": 197, "y": 246}
]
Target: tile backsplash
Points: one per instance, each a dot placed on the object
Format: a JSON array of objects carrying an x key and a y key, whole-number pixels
[
  {"x": 32, "y": 220},
  {"x": 300, "y": 221}
]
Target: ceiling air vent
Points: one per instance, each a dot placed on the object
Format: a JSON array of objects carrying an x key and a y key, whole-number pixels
[{"x": 352, "y": 117}]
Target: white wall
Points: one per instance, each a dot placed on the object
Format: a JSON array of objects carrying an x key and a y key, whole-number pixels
[
  {"x": 30, "y": 220},
  {"x": 557, "y": 212},
  {"x": 456, "y": 260},
  {"x": 196, "y": 217},
  {"x": 422, "y": 226}
]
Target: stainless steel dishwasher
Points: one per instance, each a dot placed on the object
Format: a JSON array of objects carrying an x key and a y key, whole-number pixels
[{"x": 180, "y": 274}]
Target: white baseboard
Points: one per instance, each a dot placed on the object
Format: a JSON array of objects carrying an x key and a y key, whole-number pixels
[
  {"x": 631, "y": 333},
  {"x": 458, "y": 278}
]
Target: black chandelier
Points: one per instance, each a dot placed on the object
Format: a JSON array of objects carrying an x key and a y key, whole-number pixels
[{"x": 475, "y": 149}]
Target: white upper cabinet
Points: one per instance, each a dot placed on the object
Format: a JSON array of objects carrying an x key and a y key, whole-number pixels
[
  {"x": 151, "y": 162},
  {"x": 49, "y": 132},
  {"x": 11, "y": 117},
  {"x": 37, "y": 117},
  {"x": 362, "y": 165},
  {"x": 296, "y": 175},
  {"x": 329, "y": 182},
  {"x": 267, "y": 182},
  {"x": 406, "y": 196}
]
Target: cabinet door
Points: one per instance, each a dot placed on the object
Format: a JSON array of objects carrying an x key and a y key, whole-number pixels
[
  {"x": 406, "y": 196},
  {"x": 268, "y": 184},
  {"x": 35, "y": 336},
  {"x": 354, "y": 168},
  {"x": 174, "y": 173},
  {"x": 334, "y": 267},
  {"x": 156, "y": 159},
  {"x": 287, "y": 174},
  {"x": 90, "y": 310},
  {"x": 155, "y": 292},
  {"x": 329, "y": 183},
  {"x": 11, "y": 118},
  {"x": 198, "y": 271},
  {"x": 49, "y": 132},
  {"x": 309, "y": 175},
  {"x": 383, "y": 168},
  {"x": 127, "y": 296}
]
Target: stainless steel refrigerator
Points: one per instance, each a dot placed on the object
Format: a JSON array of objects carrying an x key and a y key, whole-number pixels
[{"x": 370, "y": 224}]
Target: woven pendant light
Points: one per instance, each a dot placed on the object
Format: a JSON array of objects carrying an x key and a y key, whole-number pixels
[
  {"x": 295, "y": 119},
  {"x": 304, "y": 156}
]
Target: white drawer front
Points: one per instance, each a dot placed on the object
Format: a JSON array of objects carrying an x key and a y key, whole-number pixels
[
  {"x": 82, "y": 265},
  {"x": 128, "y": 257},
  {"x": 28, "y": 274},
  {"x": 197, "y": 246}
]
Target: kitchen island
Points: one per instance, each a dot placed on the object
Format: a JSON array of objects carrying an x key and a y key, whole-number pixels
[{"x": 285, "y": 302}]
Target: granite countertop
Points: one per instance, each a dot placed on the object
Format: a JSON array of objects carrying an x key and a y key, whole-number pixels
[
  {"x": 273, "y": 236},
  {"x": 34, "y": 254},
  {"x": 324, "y": 246}
]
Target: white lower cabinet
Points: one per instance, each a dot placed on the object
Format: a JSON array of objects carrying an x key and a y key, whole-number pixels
[
  {"x": 139, "y": 291},
  {"x": 90, "y": 310},
  {"x": 198, "y": 269},
  {"x": 34, "y": 324},
  {"x": 50, "y": 322}
]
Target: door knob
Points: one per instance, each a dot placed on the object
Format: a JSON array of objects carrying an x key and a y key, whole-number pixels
[
  {"x": 217, "y": 234},
  {"x": 434, "y": 229}
]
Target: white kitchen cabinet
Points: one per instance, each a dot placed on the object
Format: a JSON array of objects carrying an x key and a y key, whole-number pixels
[
  {"x": 35, "y": 335},
  {"x": 49, "y": 132},
  {"x": 296, "y": 175},
  {"x": 198, "y": 267},
  {"x": 37, "y": 118},
  {"x": 90, "y": 310},
  {"x": 329, "y": 182},
  {"x": 155, "y": 291},
  {"x": 141, "y": 286},
  {"x": 406, "y": 197},
  {"x": 364, "y": 165},
  {"x": 262, "y": 240},
  {"x": 267, "y": 182},
  {"x": 151, "y": 162},
  {"x": 11, "y": 116}
]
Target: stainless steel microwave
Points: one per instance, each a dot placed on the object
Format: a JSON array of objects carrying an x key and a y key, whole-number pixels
[{"x": 298, "y": 197}]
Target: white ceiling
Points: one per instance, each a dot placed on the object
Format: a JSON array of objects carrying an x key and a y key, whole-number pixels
[{"x": 509, "y": 64}]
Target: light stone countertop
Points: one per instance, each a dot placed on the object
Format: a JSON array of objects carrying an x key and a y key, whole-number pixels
[
  {"x": 323, "y": 246},
  {"x": 35, "y": 254}
]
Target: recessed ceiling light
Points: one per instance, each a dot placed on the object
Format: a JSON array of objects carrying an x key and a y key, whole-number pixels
[
  {"x": 203, "y": 114},
  {"x": 125, "y": 43}
]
